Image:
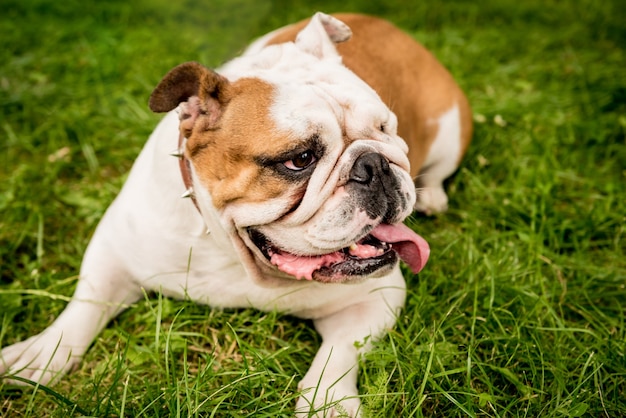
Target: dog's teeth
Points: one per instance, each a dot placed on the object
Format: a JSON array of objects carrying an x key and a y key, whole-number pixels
[
  {"x": 178, "y": 153},
  {"x": 353, "y": 247},
  {"x": 188, "y": 193},
  {"x": 208, "y": 231}
]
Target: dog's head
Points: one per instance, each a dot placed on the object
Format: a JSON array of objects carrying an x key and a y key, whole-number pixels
[{"x": 299, "y": 158}]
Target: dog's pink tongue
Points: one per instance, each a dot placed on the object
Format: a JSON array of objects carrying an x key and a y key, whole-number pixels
[{"x": 409, "y": 246}]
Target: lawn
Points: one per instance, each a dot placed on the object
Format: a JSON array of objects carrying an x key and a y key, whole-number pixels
[{"x": 521, "y": 309}]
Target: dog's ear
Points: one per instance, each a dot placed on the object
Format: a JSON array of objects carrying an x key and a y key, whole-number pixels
[
  {"x": 321, "y": 34},
  {"x": 197, "y": 89},
  {"x": 188, "y": 80}
]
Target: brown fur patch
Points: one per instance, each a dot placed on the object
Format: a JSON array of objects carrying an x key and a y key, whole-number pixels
[
  {"x": 406, "y": 76},
  {"x": 225, "y": 156}
]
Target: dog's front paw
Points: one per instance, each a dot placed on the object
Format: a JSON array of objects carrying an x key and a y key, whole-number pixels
[
  {"x": 333, "y": 402},
  {"x": 431, "y": 200},
  {"x": 42, "y": 358}
]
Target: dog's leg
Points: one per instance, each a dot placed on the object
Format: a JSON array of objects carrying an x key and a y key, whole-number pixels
[
  {"x": 104, "y": 289},
  {"x": 442, "y": 160},
  {"x": 431, "y": 196},
  {"x": 329, "y": 387}
]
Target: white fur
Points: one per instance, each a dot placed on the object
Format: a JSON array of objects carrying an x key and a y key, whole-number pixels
[{"x": 442, "y": 160}]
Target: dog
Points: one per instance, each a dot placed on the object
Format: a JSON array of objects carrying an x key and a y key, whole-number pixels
[{"x": 300, "y": 160}]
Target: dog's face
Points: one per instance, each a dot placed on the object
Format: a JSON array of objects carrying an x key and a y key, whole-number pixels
[{"x": 300, "y": 159}]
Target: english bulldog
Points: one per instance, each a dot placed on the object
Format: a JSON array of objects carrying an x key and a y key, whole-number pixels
[{"x": 300, "y": 160}]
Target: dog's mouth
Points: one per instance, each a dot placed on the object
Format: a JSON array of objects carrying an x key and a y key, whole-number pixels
[{"x": 376, "y": 252}]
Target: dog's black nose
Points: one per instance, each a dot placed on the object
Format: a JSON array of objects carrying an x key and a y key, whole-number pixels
[
  {"x": 369, "y": 167},
  {"x": 376, "y": 188}
]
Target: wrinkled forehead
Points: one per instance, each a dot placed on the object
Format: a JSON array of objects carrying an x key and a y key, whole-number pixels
[
  {"x": 306, "y": 83},
  {"x": 316, "y": 86},
  {"x": 328, "y": 110}
]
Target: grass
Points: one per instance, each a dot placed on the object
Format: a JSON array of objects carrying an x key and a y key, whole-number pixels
[{"x": 521, "y": 310}]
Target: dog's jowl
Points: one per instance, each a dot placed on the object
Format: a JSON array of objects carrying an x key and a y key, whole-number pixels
[{"x": 301, "y": 157}]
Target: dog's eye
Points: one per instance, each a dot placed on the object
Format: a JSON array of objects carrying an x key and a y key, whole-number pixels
[
  {"x": 382, "y": 127},
  {"x": 301, "y": 161}
]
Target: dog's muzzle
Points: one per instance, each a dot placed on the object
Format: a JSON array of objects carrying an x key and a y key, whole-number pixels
[{"x": 376, "y": 188}]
